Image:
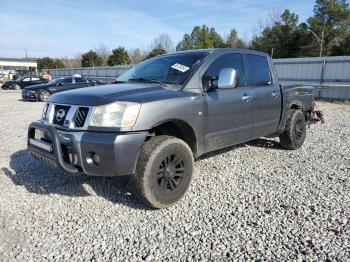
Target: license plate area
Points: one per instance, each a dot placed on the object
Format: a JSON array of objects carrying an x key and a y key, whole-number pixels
[
  {"x": 41, "y": 144},
  {"x": 39, "y": 134},
  {"x": 39, "y": 138}
]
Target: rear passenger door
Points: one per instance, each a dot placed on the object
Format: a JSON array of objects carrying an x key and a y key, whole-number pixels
[
  {"x": 266, "y": 101},
  {"x": 228, "y": 111}
]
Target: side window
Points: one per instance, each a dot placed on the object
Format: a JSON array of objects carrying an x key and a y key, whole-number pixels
[
  {"x": 35, "y": 78},
  {"x": 225, "y": 61},
  {"x": 79, "y": 80},
  {"x": 67, "y": 81},
  {"x": 259, "y": 69},
  {"x": 27, "y": 79}
]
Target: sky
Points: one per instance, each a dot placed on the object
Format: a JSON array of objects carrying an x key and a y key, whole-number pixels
[{"x": 66, "y": 28}]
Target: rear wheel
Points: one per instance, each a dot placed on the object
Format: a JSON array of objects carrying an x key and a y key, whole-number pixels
[
  {"x": 163, "y": 172},
  {"x": 16, "y": 87},
  {"x": 294, "y": 134},
  {"x": 44, "y": 95}
]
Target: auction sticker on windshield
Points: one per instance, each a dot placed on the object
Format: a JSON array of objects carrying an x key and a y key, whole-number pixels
[{"x": 179, "y": 67}]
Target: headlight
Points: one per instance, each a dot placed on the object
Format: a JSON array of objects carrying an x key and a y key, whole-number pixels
[
  {"x": 117, "y": 114},
  {"x": 44, "y": 113}
]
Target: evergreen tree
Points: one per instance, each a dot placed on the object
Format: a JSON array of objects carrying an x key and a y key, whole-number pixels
[
  {"x": 333, "y": 18},
  {"x": 91, "y": 59},
  {"x": 201, "y": 37},
  {"x": 280, "y": 38},
  {"x": 159, "y": 50},
  {"x": 234, "y": 41},
  {"x": 49, "y": 63},
  {"x": 119, "y": 56}
]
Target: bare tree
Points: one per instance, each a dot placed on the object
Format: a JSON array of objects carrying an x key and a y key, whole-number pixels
[
  {"x": 104, "y": 52},
  {"x": 275, "y": 17},
  {"x": 165, "y": 41},
  {"x": 136, "y": 55},
  {"x": 261, "y": 24},
  {"x": 72, "y": 62}
]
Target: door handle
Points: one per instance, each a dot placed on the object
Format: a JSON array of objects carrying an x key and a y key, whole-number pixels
[
  {"x": 275, "y": 94},
  {"x": 246, "y": 97}
]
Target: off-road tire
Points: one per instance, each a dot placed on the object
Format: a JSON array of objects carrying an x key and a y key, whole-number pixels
[
  {"x": 294, "y": 134},
  {"x": 163, "y": 171},
  {"x": 43, "y": 96}
]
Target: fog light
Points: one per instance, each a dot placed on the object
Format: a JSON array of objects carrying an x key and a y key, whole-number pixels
[{"x": 93, "y": 159}]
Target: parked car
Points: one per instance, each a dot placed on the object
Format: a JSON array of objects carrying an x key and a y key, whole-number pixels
[
  {"x": 42, "y": 92},
  {"x": 2, "y": 76},
  {"x": 166, "y": 112},
  {"x": 23, "y": 82}
]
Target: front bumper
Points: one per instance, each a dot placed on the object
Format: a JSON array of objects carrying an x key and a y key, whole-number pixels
[
  {"x": 76, "y": 152},
  {"x": 27, "y": 95},
  {"x": 5, "y": 86}
]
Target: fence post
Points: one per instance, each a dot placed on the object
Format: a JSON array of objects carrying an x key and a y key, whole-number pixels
[
  {"x": 322, "y": 77},
  {"x": 322, "y": 71}
]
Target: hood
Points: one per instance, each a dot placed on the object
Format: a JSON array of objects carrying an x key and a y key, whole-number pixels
[
  {"x": 100, "y": 95},
  {"x": 9, "y": 82}
]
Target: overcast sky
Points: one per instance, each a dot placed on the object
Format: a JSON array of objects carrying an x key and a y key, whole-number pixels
[{"x": 67, "y": 27}]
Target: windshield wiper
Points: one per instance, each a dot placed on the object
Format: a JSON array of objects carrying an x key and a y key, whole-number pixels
[{"x": 141, "y": 79}]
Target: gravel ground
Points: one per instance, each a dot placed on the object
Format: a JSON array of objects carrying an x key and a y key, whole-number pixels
[{"x": 254, "y": 201}]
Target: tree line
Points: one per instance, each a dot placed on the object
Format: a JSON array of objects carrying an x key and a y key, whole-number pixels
[
  {"x": 285, "y": 37},
  {"x": 282, "y": 37},
  {"x": 102, "y": 56}
]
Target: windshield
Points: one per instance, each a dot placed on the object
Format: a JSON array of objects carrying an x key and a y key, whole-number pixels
[
  {"x": 21, "y": 78},
  {"x": 55, "y": 81},
  {"x": 169, "y": 69}
]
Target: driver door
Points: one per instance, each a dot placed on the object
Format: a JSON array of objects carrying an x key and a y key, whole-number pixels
[
  {"x": 66, "y": 84},
  {"x": 25, "y": 82},
  {"x": 228, "y": 111}
]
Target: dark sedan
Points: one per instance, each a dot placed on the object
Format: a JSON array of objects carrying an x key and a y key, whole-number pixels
[
  {"x": 23, "y": 82},
  {"x": 42, "y": 92}
]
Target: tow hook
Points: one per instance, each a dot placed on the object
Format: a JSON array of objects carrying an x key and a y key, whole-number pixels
[{"x": 316, "y": 116}]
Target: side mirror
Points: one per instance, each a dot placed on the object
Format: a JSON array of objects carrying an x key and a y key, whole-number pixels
[{"x": 227, "y": 78}]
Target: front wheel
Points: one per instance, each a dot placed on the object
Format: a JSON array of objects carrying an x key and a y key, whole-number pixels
[
  {"x": 44, "y": 95},
  {"x": 163, "y": 172},
  {"x": 294, "y": 134}
]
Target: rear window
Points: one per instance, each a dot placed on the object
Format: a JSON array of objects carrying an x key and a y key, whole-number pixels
[{"x": 259, "y": 70}]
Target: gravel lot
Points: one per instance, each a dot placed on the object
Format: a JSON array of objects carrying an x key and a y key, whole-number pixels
[{"x": 254, "y": 201}]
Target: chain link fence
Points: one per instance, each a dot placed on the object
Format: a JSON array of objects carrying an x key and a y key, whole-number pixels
[{"x": 330, "y": 76}]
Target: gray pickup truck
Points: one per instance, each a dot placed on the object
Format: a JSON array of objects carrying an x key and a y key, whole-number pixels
[{"x": 167, "y": 111}]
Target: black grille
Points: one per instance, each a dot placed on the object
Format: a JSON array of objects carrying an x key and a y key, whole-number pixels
[
  {"x": 81, "y": 116},
  {"x": 57, "y": 120}
]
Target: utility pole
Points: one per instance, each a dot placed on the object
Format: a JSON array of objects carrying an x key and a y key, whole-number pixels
[
  {"x": 322, "y": 36},
  {"x": 320, "y": 40}
]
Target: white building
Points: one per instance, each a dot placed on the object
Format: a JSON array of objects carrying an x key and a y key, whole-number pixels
[
  {"x": 9, "y": 65},
  {"x": 18, "y": 64}
]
